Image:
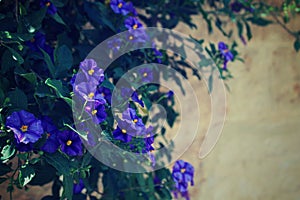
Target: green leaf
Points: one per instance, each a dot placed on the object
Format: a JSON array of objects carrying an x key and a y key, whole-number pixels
[
  {"x": 240, "y": 28},
  {"x": 259, "y": 21},
  {"x": 31, "y": 77},
  {"x": 297, "y": 44},
  {"x": 2, "y": 180},
  {"x": 49, "y": 63},
  {"x": 26, "y": 173},
  {"x": 7, "y": 62},
  {"x": 59, "y": 3},
  {"x": 17, "y": 99},
  {"x": 15, "y": 55},
  {"x": 4, "y": 169},
  {"x": 59, "y": 162},
  {"x": 36, "y": 18},
  {"x": 248, "y": 29},
  {"x": 108, "y": 84},
  {"x": 60, "y": 90},
  {"x": 63, "y": 61},
  {"x": 68, "y": 187},
  {"x": 58, "y": 19}
]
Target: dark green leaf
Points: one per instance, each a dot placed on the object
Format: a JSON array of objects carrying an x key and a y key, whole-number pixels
[
  {"x": 26, "y": 173},
  {"x": 240, "y": 28},
  {"x": 17, "y": 99},
  {"x": 31, "y": 77},
  {"x": 44, "y": 173},
  {"x": 58, "y": 19},
  {"x": 259, "y": 21},
  {"x": 15, "y": 55},
  {"x": 7, "y": 62},
  {"x": 4, "y": 169},
  {"x": 36, "y": 18},
  {"x": 59, "y": 162},
  {"x": 63, "y": 61},
  {"x": 2, "y": 180},
  {"x": 297, "y": 44},
  {"x": 60, "y": 90},
  {"x": 67, "y": 186},
  {"x": 108, "y": 84},
  {"x": 248, "y": 29},
  {"x": 49, "y": 63}
]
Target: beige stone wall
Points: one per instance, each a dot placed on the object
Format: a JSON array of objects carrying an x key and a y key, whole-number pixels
[{"x": 257, "y": 156}]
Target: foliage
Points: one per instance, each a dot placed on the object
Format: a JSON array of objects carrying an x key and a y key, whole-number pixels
[{"x": 42, "y": 45}]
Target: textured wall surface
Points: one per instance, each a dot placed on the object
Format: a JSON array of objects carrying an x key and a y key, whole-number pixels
[{"x": 257, "y": 155}]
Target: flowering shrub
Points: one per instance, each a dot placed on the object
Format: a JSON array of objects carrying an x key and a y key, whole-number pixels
[{"x": 47, "y": 71}]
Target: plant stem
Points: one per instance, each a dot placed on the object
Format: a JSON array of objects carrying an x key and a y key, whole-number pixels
[{"x": 283, "y": 25}]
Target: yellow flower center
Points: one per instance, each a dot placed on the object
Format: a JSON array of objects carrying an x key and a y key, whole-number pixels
[
  {"x": 120, "y": 5},
  {"x": 32, "y": 40},
  {"x": 135, "y": 120},
  {"x": 135, "y": 26},
  {"x": 24, "y": 128},
  {"x": 94, "y": 112},
  {"x": 69, "y": 142},
  {"x": 182, "y": 170},
  {"x": 124, "y": 131},
  {"x": 48, "y": 135},
  {"x": 103, "y": 94},
  {"x": 91, "y": 72},
  {"x": 131, "y": 37},
  {"x": 145, "y": 74},
  {"x": 91, "y": 95},
  {"x": 48, "y": 4}
]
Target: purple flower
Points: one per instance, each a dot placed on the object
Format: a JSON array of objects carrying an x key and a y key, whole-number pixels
[
  {"x": 157, "y": 53},
  {"x": 130, "y": 115},
  {"x": 238, "y": 6},
  {"x": 51, "y": 144},
  {"x": 86, "y": 90},
  {"x": 124, "y": 131},
  {"x": 136, "y": 99},
  {"x": 132, "y": 23},
  {"x": 137, "y": 36},
  {"x": 146, "y": 74},
  {"x": 115, "y": 44},
  {"x": 97, "y": 111},
  {"x": 24, "y": 147},
  {"x": 105, "y": 92},
  {"x": 121, "y": 7},
  {"x": 226, "y": 54},
  {"x": 183, "y": 174},
  {"x": 51, "y": 8},
  {"x": 70, "y": 143},
  {"x": 126, "y": 93},
  {"x": 77, "y": 188},
  {"x": 26, "y": 128},
  {"x": 39, "y": 42},
  {"x": 90, "y": 72},
  {"x": 170, "y": 94}
]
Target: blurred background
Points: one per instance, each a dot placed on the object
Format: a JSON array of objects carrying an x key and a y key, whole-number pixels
[{"x": 258, "y": 153}]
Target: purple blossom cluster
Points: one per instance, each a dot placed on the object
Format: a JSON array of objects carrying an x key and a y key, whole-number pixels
[
  {"x": 51, "y": 9},
  {"x": 131, "y": 125},
  {"x": 225, "y": 54},
  {"x": 183, "y": 174},
  {"x": 39, "y": 42},
  {"x": 85, "y": 86},
  {"x": 136, "y": 33},
  {"x": 28, "y": 130}
]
